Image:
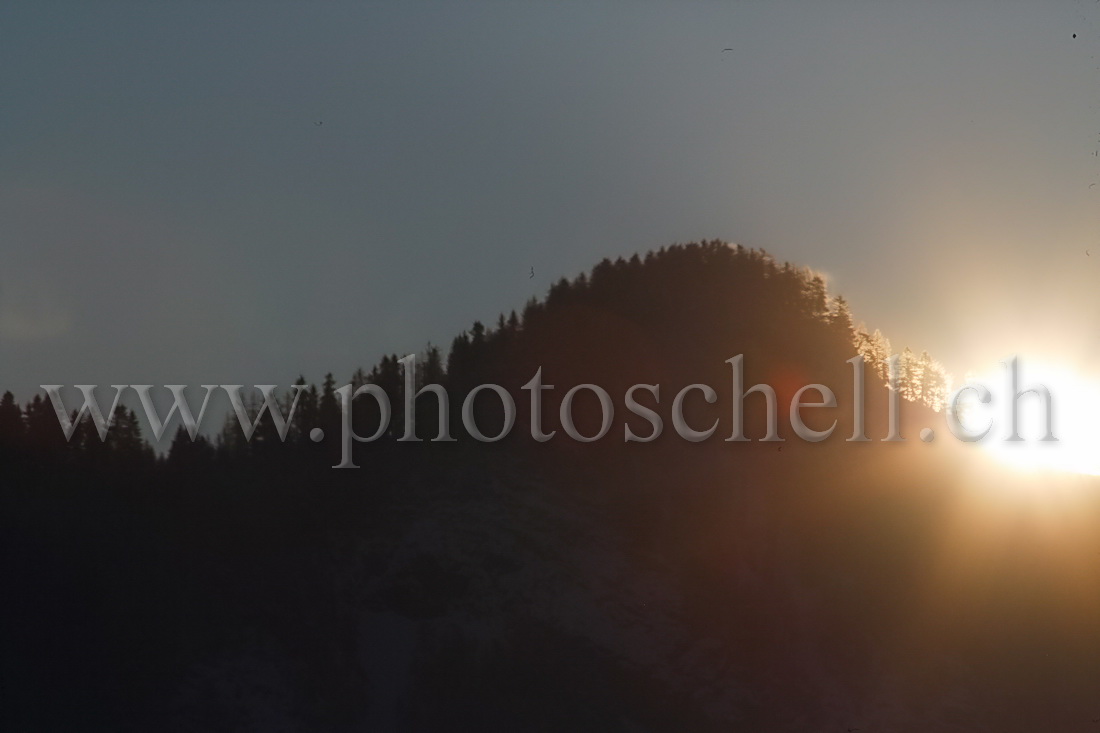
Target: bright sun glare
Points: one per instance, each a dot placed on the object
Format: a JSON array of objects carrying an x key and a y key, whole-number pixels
[{"x": 1075, "y": 419}]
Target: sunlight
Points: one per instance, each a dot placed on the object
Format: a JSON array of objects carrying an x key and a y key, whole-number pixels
[{"x": 1075, "y": 402}]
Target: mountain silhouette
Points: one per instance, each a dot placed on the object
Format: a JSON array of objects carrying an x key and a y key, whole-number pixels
[{"x": 557, "y": 584}]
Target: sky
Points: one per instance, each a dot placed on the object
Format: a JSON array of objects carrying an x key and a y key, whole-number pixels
[{"x": 241, "y": 192}]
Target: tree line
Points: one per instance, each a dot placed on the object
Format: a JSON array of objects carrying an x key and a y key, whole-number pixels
[{"x": 654, "y": 317}]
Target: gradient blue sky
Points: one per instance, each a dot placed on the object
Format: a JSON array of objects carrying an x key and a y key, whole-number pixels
[{"x": 170, "y": 212}]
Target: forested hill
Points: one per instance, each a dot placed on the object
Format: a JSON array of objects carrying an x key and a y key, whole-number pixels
[
  {"x": 558, "y": 585},
  {"x": 672, "y": 318}
]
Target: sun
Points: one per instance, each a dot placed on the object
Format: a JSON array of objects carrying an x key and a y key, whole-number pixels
[{"x": 1074, "y": 418}]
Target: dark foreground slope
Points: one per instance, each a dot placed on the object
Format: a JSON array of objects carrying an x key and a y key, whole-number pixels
[{"x": 565, "y": 586}]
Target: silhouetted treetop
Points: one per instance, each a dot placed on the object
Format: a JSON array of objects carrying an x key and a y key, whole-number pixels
[{"x": 671, "y": 317}]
